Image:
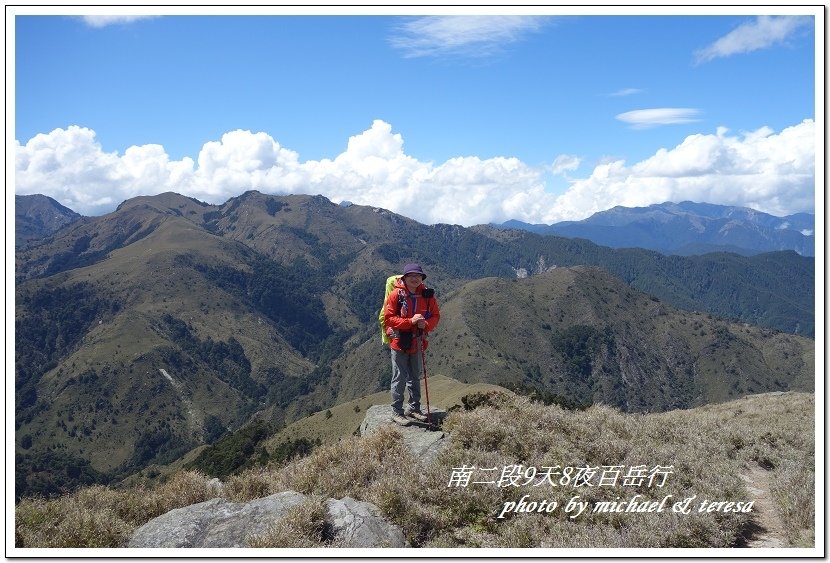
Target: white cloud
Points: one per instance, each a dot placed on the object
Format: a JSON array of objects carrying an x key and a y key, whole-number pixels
[
  {"x": 642, "y": 118},
  {"x": 472, "y": 36},
  {"x": 565, "y": 163},
  {"x": 770, "y": 172},
  {"x": 625, "y": 92},
  {"x": 761, "y": 33},
  {"x": 104, "y": 21},
  {"x": 774, "y": 173}
]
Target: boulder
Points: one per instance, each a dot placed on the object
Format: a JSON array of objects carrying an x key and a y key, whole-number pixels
[
  {"x": 360, "y": 524},
  {"x": 424, "y": 442},
  {"x": 221, "y": 523}
]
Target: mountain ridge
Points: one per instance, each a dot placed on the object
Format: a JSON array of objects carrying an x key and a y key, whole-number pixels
[
  {"x": 163, "y": 325},
  {"x": 684, "y": 228},
  {"x": 688, "y": 228}
]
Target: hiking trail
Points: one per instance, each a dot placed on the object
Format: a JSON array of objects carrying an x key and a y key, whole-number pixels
[{"x": 766, "y": 529}]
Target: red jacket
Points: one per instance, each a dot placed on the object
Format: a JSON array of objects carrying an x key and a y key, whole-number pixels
[{"x": 397, "y": 316}]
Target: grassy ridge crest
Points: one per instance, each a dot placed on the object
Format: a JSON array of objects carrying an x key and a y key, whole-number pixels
[{"x": 707, "y": 449}]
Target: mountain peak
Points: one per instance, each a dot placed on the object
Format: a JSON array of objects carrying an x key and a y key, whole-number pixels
[
  {"x": 167, "y": 202},
  {"x": 38, "y": 216}
]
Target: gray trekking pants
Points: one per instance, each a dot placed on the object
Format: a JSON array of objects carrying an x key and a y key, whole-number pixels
[{"x": 406, "y": 373}]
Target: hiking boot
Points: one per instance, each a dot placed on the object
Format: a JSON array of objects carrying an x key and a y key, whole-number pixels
[
  {"x": 417, "y": 415},
  {"x": 400, "y": 419}
]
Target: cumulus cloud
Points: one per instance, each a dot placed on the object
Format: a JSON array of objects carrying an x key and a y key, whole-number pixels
[
  {"x": 761, "y": 33},
  {"x": 771, "y": 172},
  {"x": 471, "y": 36},
  {"x": 642, "y": 118},
  {"x": 774, "y": 173}
]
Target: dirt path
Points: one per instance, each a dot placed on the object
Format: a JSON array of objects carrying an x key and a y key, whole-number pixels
[{"x": 767, "y": 529}]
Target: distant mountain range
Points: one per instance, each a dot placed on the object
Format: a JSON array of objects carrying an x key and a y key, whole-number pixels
[
  {"x": 157, "y": 328},
  {"x": 688, "y": 228}
]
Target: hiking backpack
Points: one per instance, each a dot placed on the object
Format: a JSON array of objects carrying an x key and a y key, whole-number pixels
[{"x": 390, "y": 285}]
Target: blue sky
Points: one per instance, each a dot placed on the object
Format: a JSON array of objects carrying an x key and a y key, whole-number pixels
[{"x": 542, "y": 117}]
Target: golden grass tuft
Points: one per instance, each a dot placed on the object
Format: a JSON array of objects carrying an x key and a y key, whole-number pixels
[{"x": 303, "y": 526}]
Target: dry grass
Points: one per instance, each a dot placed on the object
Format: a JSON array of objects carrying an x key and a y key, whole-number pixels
[
  {"x": 777, "y": 431},
  {"x": 103, "y": 517},
  {"x": 793, "y": 492},
  {"x": 706, "y": 448},
  {"x": 304, "y": 525},
  {"x": 536, "y": 436}
]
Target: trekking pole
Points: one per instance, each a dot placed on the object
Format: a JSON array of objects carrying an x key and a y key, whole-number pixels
[{"x": 424, "y": 364}]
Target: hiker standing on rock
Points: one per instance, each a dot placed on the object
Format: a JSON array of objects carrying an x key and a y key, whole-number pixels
[{"x": 410, "y": 313}]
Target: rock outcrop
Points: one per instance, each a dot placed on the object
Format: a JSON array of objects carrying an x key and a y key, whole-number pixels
[
  {"x": 425, "y": 443},
  {"x": 354, "y": 524},
  {"x": 221, "y": 523}
]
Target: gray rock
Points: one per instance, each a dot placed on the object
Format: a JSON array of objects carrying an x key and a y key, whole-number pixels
[
  {"x": 360, "y": 524},
  {"x": 421, "y": 441},
  {"x": 214, "y": 523},
  {"x": 221, "y": 523}
]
